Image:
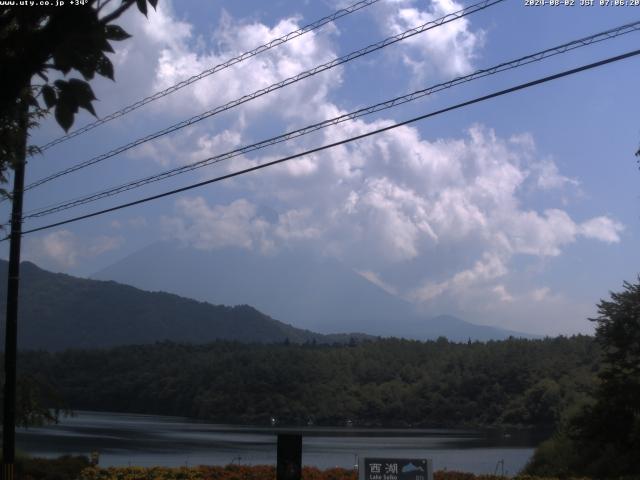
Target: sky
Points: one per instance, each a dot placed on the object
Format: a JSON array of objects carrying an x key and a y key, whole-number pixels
[{"x": 520, "y": 212}]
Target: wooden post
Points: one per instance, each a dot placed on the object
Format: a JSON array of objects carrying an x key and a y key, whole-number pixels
[
  {"x": 289, "y": 457},
  {"x": 11, "y": 329}
]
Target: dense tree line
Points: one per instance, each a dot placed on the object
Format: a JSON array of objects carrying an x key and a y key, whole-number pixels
[{"x": 386, "y": 382}]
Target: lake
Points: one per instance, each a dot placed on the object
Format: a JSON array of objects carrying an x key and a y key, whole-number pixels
[{"x": 146, "y": 440}]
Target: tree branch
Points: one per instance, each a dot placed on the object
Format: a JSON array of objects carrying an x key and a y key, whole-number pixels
[
  {"x": 102, "y": 4},
  {"x": 117, "y": 12}
]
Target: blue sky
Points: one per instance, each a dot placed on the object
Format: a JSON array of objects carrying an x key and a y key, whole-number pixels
[{"x": 520, "y": 212}]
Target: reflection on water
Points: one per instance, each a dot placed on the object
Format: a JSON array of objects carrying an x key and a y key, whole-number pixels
[{"x": 145, "y": 440}]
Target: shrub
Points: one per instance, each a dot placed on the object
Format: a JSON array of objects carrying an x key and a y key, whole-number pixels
[{"x": 63, "y": 468}]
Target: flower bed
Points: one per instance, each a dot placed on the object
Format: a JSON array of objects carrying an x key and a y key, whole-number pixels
[{"x": 260, "y": 472}]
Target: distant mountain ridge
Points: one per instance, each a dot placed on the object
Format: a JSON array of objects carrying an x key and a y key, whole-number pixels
[
  {"x": 59, "y": 311},
  {"x": 296, "y": 287}
]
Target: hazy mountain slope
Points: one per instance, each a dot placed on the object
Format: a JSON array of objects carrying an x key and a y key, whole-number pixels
[
  {"x": 315, "y": 293},
  {"x": 59, "y": 311}
]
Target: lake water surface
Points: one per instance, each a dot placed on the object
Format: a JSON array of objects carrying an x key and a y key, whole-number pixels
[{"x": 145, "y": 440}]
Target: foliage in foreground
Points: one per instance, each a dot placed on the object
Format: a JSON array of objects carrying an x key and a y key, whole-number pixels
[
  {"x": 63, "y": 468},
  {"x": 602, "y": 439},
  {"x": 37, "y": 402},
  {"x": 46, "y": 40}
]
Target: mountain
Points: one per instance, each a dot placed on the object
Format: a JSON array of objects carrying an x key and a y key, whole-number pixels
[
  {"x": 307, "y": 291},
  {"x": 59, "y": 311}
]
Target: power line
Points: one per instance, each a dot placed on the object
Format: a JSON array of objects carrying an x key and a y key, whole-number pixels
[
  {"x": 240, "y": 58},
  {"x": 387, "y": 104},
  {"x": 276, "y": 86},
  {"x": 521, "y": 86}
]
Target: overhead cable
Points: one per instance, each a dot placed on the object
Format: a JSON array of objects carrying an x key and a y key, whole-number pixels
[
  {"x": 263, "y": 91},
  {"x": 387, "y": 104},
  {"x": 521, "y": 86},
  {"x": 221, "y": 66}
]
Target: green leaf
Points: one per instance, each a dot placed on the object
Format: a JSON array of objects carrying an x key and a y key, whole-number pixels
[
  {"x": 49, "y": 95},
  {"x": 104, "y": 67},
  {"x": 89, "y": 108},
  {"x": 115, "y": 32},
  {"x": 62, "y": 60},
  {"x": 83, "y": 94},
  {"x": 33, "y": 150},
  {"x": 142, "y": 6},
  {"x": 106, "y": 47},
  {"x": 87, "y": 66},
  {"x": 153, "y": 3},
  {"x": 64, "y": 116},
  {"x": 31, "y": 101},
  {"x": 83, "y": 89},
  {"x": 72, "y": 95}
]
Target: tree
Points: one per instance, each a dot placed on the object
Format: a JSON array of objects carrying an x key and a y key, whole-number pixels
[
  {"x": 38, "y": 40},
  {"x": 34, "y": 41},
  {"x": 610, "y": 429},
  {"x": 38, "y": 402},
  {"x": 603, "y": 439}
]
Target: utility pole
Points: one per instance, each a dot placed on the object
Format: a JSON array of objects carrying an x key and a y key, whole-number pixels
[{"x": 13, "y": 284}]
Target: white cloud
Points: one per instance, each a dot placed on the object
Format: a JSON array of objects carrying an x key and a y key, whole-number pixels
[
  {"x": 541, "y": 235},
  {"x": 63, "y": 248},
  {"x": 60, "y": 246},
  {"x": 398, "y": 197},
  {"x": 164, "y": 151},
  {"x": 376, "y": 280},
  {"x": 549, "y": 176},
  {"x": 168, "y": 45},
  {"x": 539, "y": 310},
  {"x": 238, "y": 224},
  {"x": 294, "y": 225},
  {"x": 502, "y": 293},
  {"x": 396, "y": 213},
  {"x": 220, "y": 226},
  {"x": 486, "y": 269},
  {"x": 545, "y": 235},
  {"x": 178, "y": 61},
  {"x": 540, "y": 294},
  {"x": 448, "y": 49},
  {"x": 602, "y": 228},
  {"x": 102, "y": 244}
]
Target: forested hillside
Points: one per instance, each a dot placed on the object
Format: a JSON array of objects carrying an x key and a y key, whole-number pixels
[
  {"x": 387, "y": 382},
  {"x": 59, "y": 311}
]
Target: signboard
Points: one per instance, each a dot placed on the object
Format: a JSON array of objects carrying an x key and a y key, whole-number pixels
[{"x": 395, "y": 469}]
